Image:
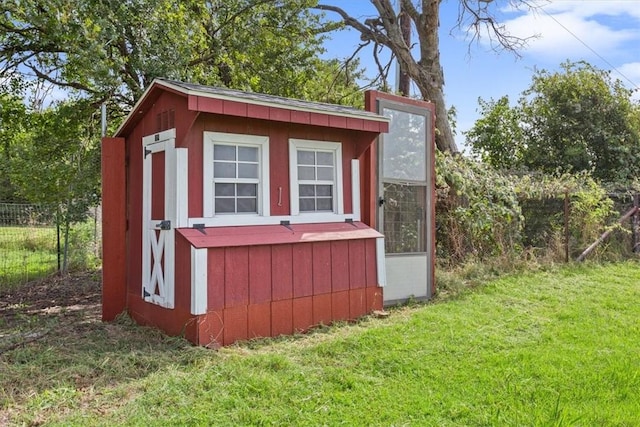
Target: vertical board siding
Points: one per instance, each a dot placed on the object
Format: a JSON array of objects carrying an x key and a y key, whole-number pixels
[
  {"x": 282, "y": 317},
  {"x": 235, "y": 324},
  {"x": 282, "y": 272},
  {"x": 259, "y": 274},
  {"x": 216, "y": 277},
  {"x": 302, "y": 270},
  {"x": 182, "y": 273},
  {"x": 322, "y": 309},
  {"x": 339, "y": 265},
  {"x": 371, "y": 268},
  {"x": 340, "y": 306},
  {"x": 210, "y": 329},
  {"x": 302, "y": 314},
  {"x": 357, "y": 264},
  {"x": 321, "y": 267},
  {"x": 236, "y": 276},
  {"x": 114, "y": 226},
  {"x": 357, "y": 303},
  {"x": 259, "y": 320}
]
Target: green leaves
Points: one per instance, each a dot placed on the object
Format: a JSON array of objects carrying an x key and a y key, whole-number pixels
[{"x": 577, "y": 119}]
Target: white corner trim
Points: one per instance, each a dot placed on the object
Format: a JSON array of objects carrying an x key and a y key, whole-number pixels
[
  {"x": 198, "y": 280},
  {"x": 182, "y": 187},
  {"x": 380, "y": 262},
  {"x": 355, "y": 189}
]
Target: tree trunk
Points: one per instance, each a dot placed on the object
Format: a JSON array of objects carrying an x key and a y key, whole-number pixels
[{"x": 386, "y": 30}]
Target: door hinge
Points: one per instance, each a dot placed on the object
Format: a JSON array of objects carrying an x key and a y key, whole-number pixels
[{"x": 146, "y": 152}]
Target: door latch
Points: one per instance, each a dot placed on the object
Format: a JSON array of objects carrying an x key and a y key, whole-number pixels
[
  {"x": 380, "y": 201},
  {"x": 164, "y": 225}
]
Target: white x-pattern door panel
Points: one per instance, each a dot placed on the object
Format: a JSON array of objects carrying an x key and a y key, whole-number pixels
[{"x": 158, "y": 225}]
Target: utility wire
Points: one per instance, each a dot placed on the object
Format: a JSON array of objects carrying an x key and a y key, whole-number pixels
[{"x": 591, "y": 49}]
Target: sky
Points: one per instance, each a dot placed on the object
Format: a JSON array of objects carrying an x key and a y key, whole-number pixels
[{"x": 604, "y": 33}]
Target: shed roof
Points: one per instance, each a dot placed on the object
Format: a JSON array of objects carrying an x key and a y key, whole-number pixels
[
  {"x": 231, "y": 102},
  {"x": 214, "y": 237}
]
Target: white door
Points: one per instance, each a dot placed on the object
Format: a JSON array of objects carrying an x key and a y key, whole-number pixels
[
  {"x": 404, "y": 210},
  {"x": 158, "y": 219}
]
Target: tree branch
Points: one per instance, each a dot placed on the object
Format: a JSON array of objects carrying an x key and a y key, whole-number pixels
[{"x": 367, "y": 33}]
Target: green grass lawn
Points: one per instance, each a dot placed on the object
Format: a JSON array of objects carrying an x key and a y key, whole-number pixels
[
  {"x": 26, "y": 253},
  {"x": 560, "y": 347}
]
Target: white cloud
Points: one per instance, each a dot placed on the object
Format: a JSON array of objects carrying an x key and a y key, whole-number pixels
[
  {"x": 630, "y": 71},
  {"x": 575, "y": 29},
  {"x": 588, "y": 8}
]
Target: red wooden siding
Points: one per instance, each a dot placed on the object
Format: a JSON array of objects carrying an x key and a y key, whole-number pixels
[
  {"x": 216, "y": 277},
  {"x": 114, "y": 225},
  {"x": 276, "y": 281},
  {"x": 271, "y": 290},
  {"x": 280, "y": 114},
  {"x": 259, "y": 274},
  {"x": 157, "y": 185},
  {"x": 352, "y": 146}
]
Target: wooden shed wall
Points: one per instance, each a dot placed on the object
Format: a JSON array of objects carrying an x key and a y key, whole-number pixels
[
  {"x": 263, "y": 290},
  {"x": 353, "y": 145},
  {"x": 270, "y": 290}
]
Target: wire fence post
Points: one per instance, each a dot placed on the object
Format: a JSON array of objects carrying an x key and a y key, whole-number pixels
[
  {"x": 566, "y": 225},
  {"x": 635, "y": 224}
]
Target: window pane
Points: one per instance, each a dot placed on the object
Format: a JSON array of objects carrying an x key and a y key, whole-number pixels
[
  {"x": 247, "y": 205},
  {"x": 225, "y": 205},
  {"x": 247, "y": 170},
  {"x": 245, "y": 190},
  {"x": 306, "y": 157},
  {"x": 404, "y": 147},
  {"x": 405, "y": 226},
  {"x": 224, "y": 152},
  {"x": 307, "y": 190},
  {"x": 307, "y": 205},
  {"x": 325, "y": 204},
  {"x": 224, "y": 170},
  {"x": 248, "y": 154},
  {"x": 227, "y": 190},
  {"x": 325, "y": 158},
  {"x": 325, "y": 173},
  {"x": 323, "y": 190},
  {"x": 306, "y": 172}
]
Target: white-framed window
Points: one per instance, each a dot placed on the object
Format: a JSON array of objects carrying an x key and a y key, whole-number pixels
[
  {"x": 235, "y": 174},
  {"x": 315, "y": 170}
]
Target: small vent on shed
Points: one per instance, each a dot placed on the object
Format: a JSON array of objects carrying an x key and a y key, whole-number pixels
[{"x": 165, "y": 120}]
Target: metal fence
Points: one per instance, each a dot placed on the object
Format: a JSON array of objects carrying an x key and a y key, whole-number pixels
[{"x": 32, "y": 243}]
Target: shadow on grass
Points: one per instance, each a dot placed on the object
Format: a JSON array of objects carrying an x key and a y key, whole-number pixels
[{"x": 52, "y": 338}]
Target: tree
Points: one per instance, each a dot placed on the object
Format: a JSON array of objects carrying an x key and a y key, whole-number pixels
[
  {"x": 496, "y": 138},
  {"x": 14, "y": 125},
  {"x": 113, "y": 50},
  {"x": 422, "y": 64},
  {"x": 576, "y": 119},
  {"x": 58, "y": 163}
]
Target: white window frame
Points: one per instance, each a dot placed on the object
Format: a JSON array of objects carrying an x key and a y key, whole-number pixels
[
  {"x": 208, "y": 186},
  {"x": 338, "y": 194}
]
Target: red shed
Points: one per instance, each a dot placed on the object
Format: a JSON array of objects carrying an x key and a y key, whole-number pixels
[{"x": 230, "y": 215}]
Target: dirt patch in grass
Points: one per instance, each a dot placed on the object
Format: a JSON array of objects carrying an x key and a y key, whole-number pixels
[
  {"x": 52, "y": 341},
  {"x": 53, "y": 296}
]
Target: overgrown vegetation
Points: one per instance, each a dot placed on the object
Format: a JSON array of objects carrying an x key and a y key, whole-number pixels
[
  {"x": 30, "y": 252},
  {"x": 557, "y": 347}
]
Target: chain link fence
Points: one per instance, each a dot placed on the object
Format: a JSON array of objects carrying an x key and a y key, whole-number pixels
[{"x": 32, "y": 243}]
